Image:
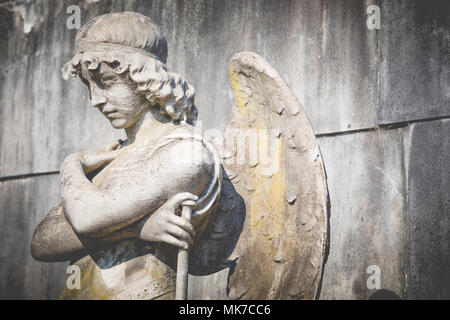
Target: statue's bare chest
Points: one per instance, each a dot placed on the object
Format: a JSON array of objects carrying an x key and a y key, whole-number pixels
[{"x": 130, "y": 162}]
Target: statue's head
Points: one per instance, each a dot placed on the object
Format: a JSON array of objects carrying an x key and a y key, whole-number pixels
[{"x": 121, "y": 58}]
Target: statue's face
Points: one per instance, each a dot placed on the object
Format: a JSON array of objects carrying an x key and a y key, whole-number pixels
[{"x": 114, "y": 95}]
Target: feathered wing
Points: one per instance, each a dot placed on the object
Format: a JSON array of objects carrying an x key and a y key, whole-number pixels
[{"x": 279, "y": 195}]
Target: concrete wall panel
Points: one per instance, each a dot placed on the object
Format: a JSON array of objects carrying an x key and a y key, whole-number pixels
[
  {"x": 414, "y": 60},
  {"x": 429, "y": 211},
  {"x": 43, "y": 118},
  {"x": 23, "y": 204},
  {"x": 367, "y": 193}
]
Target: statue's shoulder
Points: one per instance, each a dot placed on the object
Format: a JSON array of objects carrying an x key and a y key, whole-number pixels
[{"x": 184, "y": 146}]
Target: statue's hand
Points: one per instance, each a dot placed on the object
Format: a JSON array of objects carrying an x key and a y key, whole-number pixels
[
  {"x": 165, "y": 226},
  {"x": 92, "y": 160}
]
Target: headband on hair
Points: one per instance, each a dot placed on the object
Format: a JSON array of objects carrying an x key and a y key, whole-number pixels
[{"x": 83, "y": 45}]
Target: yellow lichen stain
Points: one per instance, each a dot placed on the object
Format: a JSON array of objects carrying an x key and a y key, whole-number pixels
[
  {"x": 266, "y": 204},
  {"x": 239, "y": 96},
  {"x": 92, "y": 287},
  {"x": 155, "y": 281},
  {"x": 268, "y": 198}
]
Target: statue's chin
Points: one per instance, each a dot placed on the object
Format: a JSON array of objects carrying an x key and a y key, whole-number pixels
[{"x": 118, "y": 123}]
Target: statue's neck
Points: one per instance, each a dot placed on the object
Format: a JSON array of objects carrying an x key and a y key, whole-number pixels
[{"x": 151, "y": 126}]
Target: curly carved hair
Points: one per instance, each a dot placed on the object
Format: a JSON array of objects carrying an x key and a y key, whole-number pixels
[{"x": 144, "y": 61}]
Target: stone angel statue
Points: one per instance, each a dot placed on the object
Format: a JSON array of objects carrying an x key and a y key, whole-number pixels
[{"x": 258, "y": 192}]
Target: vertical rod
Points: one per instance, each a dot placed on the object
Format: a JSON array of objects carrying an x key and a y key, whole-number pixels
[{"x": 182, "y": 263}]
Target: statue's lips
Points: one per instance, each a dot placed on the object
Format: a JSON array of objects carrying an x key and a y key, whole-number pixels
[{"x": 112, "y": 115}]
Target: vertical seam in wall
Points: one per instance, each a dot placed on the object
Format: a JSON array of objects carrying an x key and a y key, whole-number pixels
[
  {"x": 377, "y": 103},
  {"x": 406, "y": 157}
]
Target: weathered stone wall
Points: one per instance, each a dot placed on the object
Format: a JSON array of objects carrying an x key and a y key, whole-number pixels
[{"x": 378, "y": 100}]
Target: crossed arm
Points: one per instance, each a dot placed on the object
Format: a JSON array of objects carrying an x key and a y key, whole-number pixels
[{"x": 141, "y": 206}]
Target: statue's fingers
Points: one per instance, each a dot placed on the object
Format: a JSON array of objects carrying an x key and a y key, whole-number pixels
[
  {"x": 182, "y": 223},
  {"x": 112, "y": 146},
  {"x": 167, "y": 238},
  {"x": 177, "y": 199},
  {"x": 108, "y": 156},
  {"x": 188, "y": 203},
  {"x": 179, "y": 233}
]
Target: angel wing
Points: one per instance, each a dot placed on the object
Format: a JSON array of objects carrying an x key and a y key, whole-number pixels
[{"x": 271, "y": 223}]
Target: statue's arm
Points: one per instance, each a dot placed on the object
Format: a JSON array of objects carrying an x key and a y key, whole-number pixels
[
  {"x": 95, "y": 212},
  {"x": 55, "y": 240}
]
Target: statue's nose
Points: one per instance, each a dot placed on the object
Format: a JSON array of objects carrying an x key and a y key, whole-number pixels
[{"x": 98, "y": 100}]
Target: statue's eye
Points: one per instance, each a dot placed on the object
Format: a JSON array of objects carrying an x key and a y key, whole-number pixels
[{"x": 107, "y": 81}]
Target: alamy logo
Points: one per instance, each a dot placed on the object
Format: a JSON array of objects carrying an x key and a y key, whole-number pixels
[
  {"x": 74, "y": 280},
  {"x": 74, "y": 20},
  {"x": 373, "y": 281},
  {"x": 374, "y": 17}
]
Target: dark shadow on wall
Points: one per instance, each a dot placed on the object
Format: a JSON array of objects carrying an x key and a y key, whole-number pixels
[
  {"x": 327, "y": 246},
  {"x": 384, "y": 294}
]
